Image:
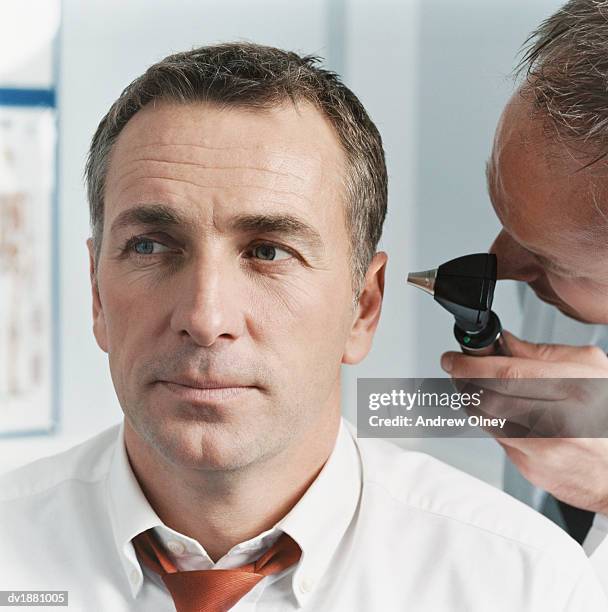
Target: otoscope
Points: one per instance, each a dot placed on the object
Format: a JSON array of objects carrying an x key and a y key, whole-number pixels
[{"x": 465, "y": 287}]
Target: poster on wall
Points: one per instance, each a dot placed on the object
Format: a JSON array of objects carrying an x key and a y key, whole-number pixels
[
  {"x": 29, "y": 350},
  {"x": 27, "y": 177}
]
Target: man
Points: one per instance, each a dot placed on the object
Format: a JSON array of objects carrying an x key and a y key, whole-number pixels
[
  {"x": 548, "y": 182},
  {"x": 237, "y": 196}
]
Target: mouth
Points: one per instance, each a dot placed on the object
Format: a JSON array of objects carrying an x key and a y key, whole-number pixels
[{"x": 205, "y": 391}]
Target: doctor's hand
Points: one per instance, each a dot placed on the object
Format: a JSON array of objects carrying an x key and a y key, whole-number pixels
[{"x": 568, "y": 400}]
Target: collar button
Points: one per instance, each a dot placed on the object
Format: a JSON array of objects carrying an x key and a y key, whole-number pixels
[
  {"x": 306, "y": 585},
  {"x": 176, "y": 547}
]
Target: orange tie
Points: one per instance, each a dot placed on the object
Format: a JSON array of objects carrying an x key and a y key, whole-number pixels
[{"x": 213, "y": 590}]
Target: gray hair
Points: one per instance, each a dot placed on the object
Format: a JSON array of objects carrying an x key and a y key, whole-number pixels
[
  {"x": 566, "y": 66},
  {"x": 253, "y": 76}
]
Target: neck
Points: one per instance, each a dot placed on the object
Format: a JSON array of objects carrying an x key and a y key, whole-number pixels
[{"x": 219, "y": 508}]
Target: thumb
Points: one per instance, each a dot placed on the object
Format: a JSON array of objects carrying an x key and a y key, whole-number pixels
[
  {"x": 552, "y": 352},
  {"x": 525, "y": 349}
]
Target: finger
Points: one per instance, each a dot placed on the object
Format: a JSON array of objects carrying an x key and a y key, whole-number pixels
[
  {"x": 589, "y": 355},
  {"x": 522, "y": 411},
  {"x": 568, "y": 392},
  {"x": 516, "y": 376},
  {"x": 580, "y": 414},
  {"x": 532, "y": 389},
  {"x": 498, "y": 430},
  {"x": 528, "y": 447},
  {"x": 518, "y": 457}
]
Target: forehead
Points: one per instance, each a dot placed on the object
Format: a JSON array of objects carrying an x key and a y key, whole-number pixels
[
  {"x": 195, "y": 152},
  {"x": 301, "y": 128},
  {"x": 539, "y": 187}
]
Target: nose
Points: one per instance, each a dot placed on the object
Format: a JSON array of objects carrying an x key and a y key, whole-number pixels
[
  {"x": 208, "y": 304},
  {"x": 515, "y": 262}
]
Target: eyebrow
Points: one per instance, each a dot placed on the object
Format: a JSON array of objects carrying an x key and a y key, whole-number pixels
[
  {"x": 161, "y": 216},
  {"x": 156, "y": 215},
  {"x": 280, "y": 223}
]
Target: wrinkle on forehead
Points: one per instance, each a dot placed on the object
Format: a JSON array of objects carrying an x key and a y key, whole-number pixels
[
  {"x": 222, "y": 157},
  {"x": 223, "y": 161},
  {"x": 203, "y": 183},
  {"x": 229, "y": 170},
  {"x": 202, "y": 132},
  {"x": 213, "y": 148}
]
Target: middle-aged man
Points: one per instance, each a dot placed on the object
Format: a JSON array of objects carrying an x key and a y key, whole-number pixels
[
  {"x": 237, "y": 196},
  {"x": 548, "y": 182}
]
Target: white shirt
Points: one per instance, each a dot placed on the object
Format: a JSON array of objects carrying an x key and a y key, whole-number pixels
[
  {"x": 545, "y": 323},
  {"x": 381, "y": 529}
]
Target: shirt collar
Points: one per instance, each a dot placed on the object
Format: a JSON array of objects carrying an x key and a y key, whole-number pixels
[
  {"x": 322, "y": 515},
  {"x": 130, "y": 511},
  {"x": 317, "y": 522}
]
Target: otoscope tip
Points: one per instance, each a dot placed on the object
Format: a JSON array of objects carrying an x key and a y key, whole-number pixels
[{"x": 423, "y": 280}]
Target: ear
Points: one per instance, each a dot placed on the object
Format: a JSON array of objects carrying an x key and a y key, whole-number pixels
[
  {"x": 359, "y": 341},
  {"x": 99, "y": 321}
]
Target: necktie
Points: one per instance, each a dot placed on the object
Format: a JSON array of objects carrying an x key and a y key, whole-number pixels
[{"x": 213, "y": 590}]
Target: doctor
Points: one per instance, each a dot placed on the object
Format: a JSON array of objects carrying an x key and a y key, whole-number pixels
[{"x": 548, "y": 182}]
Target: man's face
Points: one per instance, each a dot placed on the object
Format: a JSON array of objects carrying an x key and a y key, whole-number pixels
[
  {"x": 554, "y": 214},
  {"x": 225, "y": 263}
]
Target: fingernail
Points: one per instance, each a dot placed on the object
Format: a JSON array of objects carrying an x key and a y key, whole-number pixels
[{"x": 447, "y": 361}]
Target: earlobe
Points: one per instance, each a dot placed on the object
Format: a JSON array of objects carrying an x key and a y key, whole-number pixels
[
  {"x": 99, "y": 322},
  {"x": 367, "y": 316}
]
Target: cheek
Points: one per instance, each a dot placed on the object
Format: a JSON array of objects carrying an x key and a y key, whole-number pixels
[
  {"x": 307, "y": 319},
  {"x": 313, "y": 307},
  {"x": 134, "y": 319},
  {"x": 586, "y": 298},
  {"x": 128, "y": 307}
]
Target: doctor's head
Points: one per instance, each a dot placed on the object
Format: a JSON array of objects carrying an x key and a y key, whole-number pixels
[
  {"x": 548, "y": 171},
  {"x": 237, "y": 196}
]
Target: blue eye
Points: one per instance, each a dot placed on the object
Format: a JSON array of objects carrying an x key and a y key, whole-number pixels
[
  {"x": 145, "y": 246},
  {"x": 268, "y": 252}
]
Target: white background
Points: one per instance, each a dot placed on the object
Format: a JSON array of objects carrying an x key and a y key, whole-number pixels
[{"x": 434, "y": 75}]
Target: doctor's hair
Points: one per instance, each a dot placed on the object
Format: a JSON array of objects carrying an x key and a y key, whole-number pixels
[
  {"x": 256, "y": 77},
  {"x": 565, "y": 62}
]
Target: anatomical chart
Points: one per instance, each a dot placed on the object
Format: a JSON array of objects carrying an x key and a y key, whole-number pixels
[{"x": 27, "y": 263}]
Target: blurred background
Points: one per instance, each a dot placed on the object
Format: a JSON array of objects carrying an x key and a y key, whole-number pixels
[{"x": 433, "y": 74}]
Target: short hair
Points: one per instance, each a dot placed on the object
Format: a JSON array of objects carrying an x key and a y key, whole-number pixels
[
  {"x": 248, "y": 75},
  {"x": 566, "y": 65}
]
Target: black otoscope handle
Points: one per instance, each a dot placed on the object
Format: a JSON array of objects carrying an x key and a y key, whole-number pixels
[{"x": 489, "y": 341}]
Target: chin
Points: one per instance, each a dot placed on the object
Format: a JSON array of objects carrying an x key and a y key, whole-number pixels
[
  {"x": 563, "y": 307},
  {"x": 196, "y": 445},
  {"x": 567, "y": 311},
  {"x": 209, "y": 446},
  {"x": 575, "y": 316}
]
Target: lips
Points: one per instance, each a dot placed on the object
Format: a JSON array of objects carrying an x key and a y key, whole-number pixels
[
  {"x": 205, "y": 383},
  {"x": 195, "y": 390},
  {"x": 205, "y": 392}
]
